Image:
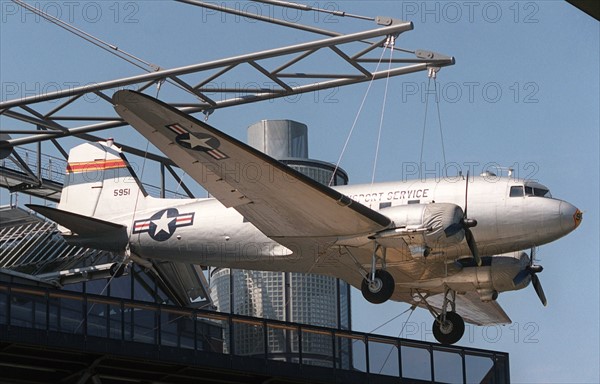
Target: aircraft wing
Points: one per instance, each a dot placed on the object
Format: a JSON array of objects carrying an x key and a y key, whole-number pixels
[
  {"x": 473, "y": 310},
  {"x": 278, "y": 200},
  {"x": 408, "y": 275}
]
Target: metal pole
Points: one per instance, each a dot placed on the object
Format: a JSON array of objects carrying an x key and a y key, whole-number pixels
[
  {"x": 249, "y": 15},
  {"x": 162, "y": 181},
  {"x": 162, "y": 74},
  {"x": 39, "y": 161}
]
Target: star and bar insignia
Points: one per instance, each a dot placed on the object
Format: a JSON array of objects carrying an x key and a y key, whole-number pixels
[
  {"x": 197, "y": 141},
  {"x": 162, "y": 225}
]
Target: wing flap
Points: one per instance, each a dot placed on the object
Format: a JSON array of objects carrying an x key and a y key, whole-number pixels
[
  {"x": 473, "y": 310},
  {"x": 281, "y": 202}
]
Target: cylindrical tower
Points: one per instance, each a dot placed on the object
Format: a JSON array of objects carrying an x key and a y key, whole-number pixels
[{"x": 295, "y": 297}]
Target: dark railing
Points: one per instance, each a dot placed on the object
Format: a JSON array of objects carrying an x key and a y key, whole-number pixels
[{"x": 93, "y": 316}]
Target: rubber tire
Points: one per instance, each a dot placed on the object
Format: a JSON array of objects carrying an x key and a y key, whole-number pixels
[
  {"x": 457, "y": 332},
  {"x": 386, "y": 291}
]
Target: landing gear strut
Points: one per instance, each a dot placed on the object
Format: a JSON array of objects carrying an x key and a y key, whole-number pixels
[
  {"x": 448, "y": 326},
  {"x": 378, "y": 286}
]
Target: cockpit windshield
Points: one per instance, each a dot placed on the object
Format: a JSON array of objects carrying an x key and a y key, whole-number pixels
[
  {"x": 529, "y": 189},
  {"x": 536, "y": 191}
]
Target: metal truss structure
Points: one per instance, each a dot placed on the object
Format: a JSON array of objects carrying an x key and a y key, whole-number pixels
[{"x": 46, "y": 113}]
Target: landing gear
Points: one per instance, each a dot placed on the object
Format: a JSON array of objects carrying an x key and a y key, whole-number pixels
[
  {"x": 448, "y": 326},
  {"x": 379, "y": 289},
  {"x": 378, "y": 285},
  {"x": 449, "y": 330}
]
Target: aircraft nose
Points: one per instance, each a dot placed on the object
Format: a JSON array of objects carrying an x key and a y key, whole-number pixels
[{"x": 570, "y": 216}]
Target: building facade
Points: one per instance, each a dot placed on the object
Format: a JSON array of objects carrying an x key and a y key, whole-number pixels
[{"x": 294, "y": 297}]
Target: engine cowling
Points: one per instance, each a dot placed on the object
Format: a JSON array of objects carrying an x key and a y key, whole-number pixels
[
  {"x": 504, "y": 269},
  {"x": 494, "y": 277},
  {"x": 425, "y": 224}
]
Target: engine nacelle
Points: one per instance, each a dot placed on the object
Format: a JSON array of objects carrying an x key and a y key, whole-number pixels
[
  {"x": 504, "y": 269},
  {"x": 425, "y": 225},
  {"x": 489, "y": 280}
]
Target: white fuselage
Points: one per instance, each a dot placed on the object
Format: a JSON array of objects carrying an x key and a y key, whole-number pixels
[{"x": 220, "y": 236}]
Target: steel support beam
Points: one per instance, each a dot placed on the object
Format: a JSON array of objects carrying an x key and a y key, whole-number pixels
[{"x": 167, "y": 73}]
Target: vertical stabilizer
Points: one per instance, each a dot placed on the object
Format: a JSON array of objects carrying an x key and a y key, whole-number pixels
[{"x": 99, "y": 182}]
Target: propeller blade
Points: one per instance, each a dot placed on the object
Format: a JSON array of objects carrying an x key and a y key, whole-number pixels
[
  {"x": 472, "y": 246},
  {"x": 453, "y": 229},
  {"x": 538, "y": 289},
  {"x": 521, "y": 276},
  {"x": 466, "y": 196}
]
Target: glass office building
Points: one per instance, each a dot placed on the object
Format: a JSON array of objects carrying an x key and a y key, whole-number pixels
[{"x": 295, "y": 297}]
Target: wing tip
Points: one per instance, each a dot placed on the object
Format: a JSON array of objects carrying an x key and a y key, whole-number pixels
[
  {"x": 122, "y": 96},
  {"x": 71, "y": 220}
]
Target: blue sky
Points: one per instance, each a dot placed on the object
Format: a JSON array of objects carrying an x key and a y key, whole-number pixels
[{"x": 524, "y": 93}]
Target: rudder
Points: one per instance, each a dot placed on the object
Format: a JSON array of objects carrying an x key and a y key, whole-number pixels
[{"x": 99, "y": 182}]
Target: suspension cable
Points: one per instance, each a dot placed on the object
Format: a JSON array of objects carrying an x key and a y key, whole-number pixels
[
  {"x": 113, "y": 49},
  {"x": 110, "y": 48},
  {"x": 390, "y": 320},
  {"x": 424, "y": 127},
  {"x": 285, "y": 23},
  {"x": 337, "y": 164},
  {"x": 432, "y": 74},
  {"x": 412, "y": 308},
  {"x": 437, "y": 103},
  {"x": 390, "y": 43},
  {"x": 306, "y": 7}
]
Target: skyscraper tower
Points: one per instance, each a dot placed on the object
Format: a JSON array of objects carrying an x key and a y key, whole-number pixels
[{"x": 295, "y": 297}]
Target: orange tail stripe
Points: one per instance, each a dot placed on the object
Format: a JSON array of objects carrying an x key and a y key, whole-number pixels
[{"x": 97, "y": 165}]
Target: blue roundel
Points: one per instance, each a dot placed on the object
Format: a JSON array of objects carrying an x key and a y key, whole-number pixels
[{"x": 163, "y": 224}]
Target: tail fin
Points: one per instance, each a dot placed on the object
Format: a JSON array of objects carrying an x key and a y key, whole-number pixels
[{"x": 100, "y": 182}]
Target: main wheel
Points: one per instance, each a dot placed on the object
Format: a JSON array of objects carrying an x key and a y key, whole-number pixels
[
  {"x": 449, "y": 331},
  {"x": 380, "y": 289}
]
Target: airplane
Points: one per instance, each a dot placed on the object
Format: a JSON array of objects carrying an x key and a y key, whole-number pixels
[{"x": 447, "y": 245}]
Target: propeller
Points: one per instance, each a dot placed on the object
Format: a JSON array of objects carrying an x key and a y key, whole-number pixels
[
  {"x": 532, "y": 270},
  {"x": 466, "y": 224}
]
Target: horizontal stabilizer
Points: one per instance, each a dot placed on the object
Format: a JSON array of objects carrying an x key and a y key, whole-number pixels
[{"x": 79, "y": 224}]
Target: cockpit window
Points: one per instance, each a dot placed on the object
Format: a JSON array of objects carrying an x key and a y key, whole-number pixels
[
  {"x": 537, "y": 191},
  {"x": 529, "y": 190},
  {"x": 516, "y": 191}
]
